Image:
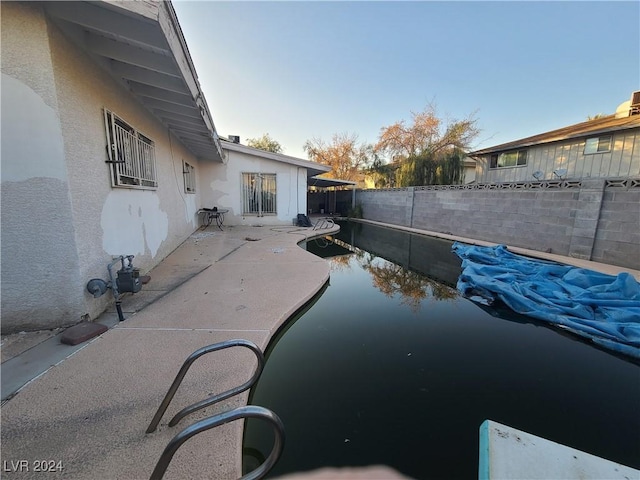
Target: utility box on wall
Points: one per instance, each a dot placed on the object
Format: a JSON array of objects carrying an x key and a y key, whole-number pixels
[{"x": 128, "y": 280}]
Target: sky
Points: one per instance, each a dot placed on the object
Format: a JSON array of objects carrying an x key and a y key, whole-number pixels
[{"x": 308, "y": 70}]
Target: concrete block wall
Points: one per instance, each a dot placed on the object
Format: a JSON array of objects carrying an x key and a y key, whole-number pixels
[
  {"x": 617, "y": 240},
  {"x": 512, "y": 217},
  {"x": 587, "y": 214},
  {"x": 390, "y": 206},
  {"x": 587, "y": 220}
]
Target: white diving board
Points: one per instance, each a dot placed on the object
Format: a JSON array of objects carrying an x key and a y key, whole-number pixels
[{"x": 510, "y": 454}]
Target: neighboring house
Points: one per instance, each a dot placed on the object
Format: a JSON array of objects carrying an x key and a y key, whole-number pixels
[
  {"x": 108, "y": 149},
  {"x": 469, "y": 170},
  {"x": 605, "y": 147}
]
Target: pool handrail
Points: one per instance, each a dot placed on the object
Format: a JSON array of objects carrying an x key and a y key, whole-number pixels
[
  {"x": 213, "y": 399},
  {"x": 249, "y": 411},
  {"x": 324, "y": 223}
]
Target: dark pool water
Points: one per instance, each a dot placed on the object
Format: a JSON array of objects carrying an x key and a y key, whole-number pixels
[{"x": 391, "y": 366}]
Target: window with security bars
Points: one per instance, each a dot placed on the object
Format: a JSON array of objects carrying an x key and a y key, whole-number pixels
[
  {"x": 259, "y": 194},
  {"x": 132, "y": 155},
  {"x": 189, "y": 178}
]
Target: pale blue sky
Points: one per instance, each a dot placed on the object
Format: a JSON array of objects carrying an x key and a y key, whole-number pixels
[{"x": 299, "y": 70}]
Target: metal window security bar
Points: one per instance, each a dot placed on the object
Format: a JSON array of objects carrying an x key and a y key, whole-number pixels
[
  {"x": 250, "y": 411},
  {"x": 131, "y": 154},
  {"x": 189, "y": 178},
  {"x": 259, "y": 194}
]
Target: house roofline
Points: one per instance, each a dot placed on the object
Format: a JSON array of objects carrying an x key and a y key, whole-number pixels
[
  {"x": 313, "y": 168},
  {"x": 589, "y": 128},
  {"x": 199, "y": 98}
]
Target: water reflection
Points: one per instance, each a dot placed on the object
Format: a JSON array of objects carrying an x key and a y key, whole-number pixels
[
  {"x": 427, "y": 256},
  {"x": 391, "y": 359},
  {"x": 411, "y": 267},
  {"x": 413, "y": 288}
]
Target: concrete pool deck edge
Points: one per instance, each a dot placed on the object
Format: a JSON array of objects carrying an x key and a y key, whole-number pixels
[{"x": 576, "y": 262}]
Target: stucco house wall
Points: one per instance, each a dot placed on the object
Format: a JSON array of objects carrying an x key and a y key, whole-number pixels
[
  {"x": 62, "y": 221},
  {"x": 117, "y": 220},
  {"x": 37, "y": 281},
  {"x": 222, "y": 187},
  {"x": 622, "y": 161}
]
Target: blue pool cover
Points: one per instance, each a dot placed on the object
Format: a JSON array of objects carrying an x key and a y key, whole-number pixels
[{"x": 603, "y": 308}]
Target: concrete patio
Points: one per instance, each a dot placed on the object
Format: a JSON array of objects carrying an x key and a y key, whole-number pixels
[{"x": 90, "y": 410}]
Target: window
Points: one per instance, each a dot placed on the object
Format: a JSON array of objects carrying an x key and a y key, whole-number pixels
[
  {"x": 189, "y": 178},
  {"x": 258, "y": 193},
  {"x": 508, "y": 159},
  {"x": 597, "y": 145},
  {"x": 132, "y": 155}
]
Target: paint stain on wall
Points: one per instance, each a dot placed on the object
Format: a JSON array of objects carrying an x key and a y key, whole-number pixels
[
  {"x": 132, "y": 222},
  {"x": 26, "y": 117},
  {"x": 190, "y": 210}
]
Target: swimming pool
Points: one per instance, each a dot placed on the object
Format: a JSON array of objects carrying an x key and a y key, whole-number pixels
[{"x": 389, "y": 365}]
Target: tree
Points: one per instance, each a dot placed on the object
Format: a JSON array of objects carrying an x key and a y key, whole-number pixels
[
  {"x": 427, "y": 134},
  {"x": 596, "y": 116},
  {"x": 442, "y": 168},
  {"x": 344, "y": 155},
  {"x": 383, "y": 174},
  {"x": 429, "y": 150},
  {"x": 265, "y": 143}
]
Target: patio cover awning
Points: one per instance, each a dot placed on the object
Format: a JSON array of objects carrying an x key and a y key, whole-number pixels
[{"x": 321, "y": 182}]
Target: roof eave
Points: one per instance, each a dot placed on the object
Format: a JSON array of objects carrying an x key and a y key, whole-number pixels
[
  {"x": 142, "y": 46},
  {"x": 537, "y": 140},
  {"x": 313, "y": 168}
]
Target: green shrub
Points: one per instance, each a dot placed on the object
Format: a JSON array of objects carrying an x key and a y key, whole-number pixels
[{"x": 355, "y": 212}]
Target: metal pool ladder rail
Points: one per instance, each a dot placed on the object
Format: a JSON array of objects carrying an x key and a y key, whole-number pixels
[
  {"x": 324, "y": 223},
  {"x": 213, "y": 399},
  {"x": 249, "y": 411}
]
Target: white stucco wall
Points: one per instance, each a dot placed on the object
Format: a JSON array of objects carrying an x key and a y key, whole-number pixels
[
  {"x": 62, "y": 220},
  {"x": 222, "y": 187},
  {"x": 40, "y": 285},
  {"x": 117, "y": 221}
]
